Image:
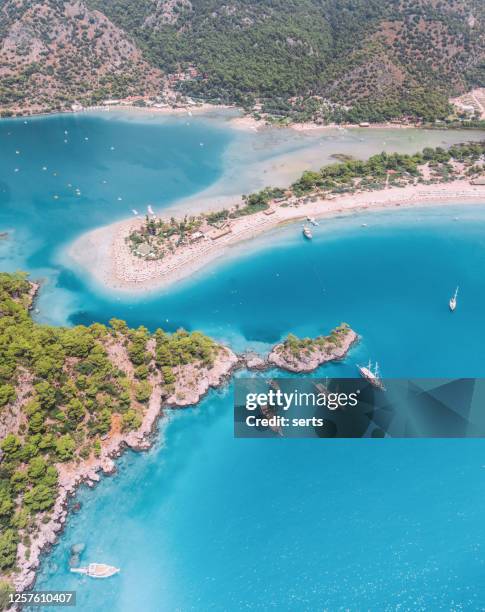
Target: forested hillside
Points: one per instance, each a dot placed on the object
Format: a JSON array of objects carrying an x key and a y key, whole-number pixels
[
  {"x": 64, "y": 394},
  {"x": 339, "y": 59},
  {"x": 54, "y": 52},
  {"x": 381, "y": 56}
]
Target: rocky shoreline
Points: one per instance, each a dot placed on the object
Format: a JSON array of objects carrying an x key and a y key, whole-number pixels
[
  {"x": 89, "y": 472},
  {"x": 192, "y": 384},
  {"x": 309, "y": 359}
]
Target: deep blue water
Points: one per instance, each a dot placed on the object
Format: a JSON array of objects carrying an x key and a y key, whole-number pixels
[
  {"x": 213, "y": 523},
  {"x": 204, "y": 521}
]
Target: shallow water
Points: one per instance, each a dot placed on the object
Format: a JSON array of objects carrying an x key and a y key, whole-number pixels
[
  {"x": 77, "y": 172},
  {"x": 204, "y": 521}
]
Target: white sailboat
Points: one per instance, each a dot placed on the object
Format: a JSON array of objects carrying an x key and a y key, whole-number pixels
[
  {"x": 452, "y": 302},
  {"x": 96, "y": 570},
  {"x": 372, "y": 375}
]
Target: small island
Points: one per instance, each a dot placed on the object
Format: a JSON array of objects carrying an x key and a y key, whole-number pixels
[
  {"x": 307, "y": 354},
  {"x": 72, "y": 399}
]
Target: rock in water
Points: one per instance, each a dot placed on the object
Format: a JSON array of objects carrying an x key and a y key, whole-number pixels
[{"x": 77, "y": 549}]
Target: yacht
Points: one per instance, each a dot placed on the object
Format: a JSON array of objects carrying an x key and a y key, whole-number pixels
[
  {"x": 96, "y": 570},
  {"x": 372, "y": 375}
]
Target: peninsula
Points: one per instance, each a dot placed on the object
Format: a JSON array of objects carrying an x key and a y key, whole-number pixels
[
  {"x": 72, "y": 399},
  {"x": 151, "y": 252}
]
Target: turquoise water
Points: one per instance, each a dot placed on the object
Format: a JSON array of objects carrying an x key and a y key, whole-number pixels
[
  {"x": 207, "y": 522},
  {"x": 63, "y": 175},
  {"x": 115, "y": 165},
  {"x": 204, "y": 521},
  {"x": 213, "y": 523},
  {"x": 390, "y": 280}
]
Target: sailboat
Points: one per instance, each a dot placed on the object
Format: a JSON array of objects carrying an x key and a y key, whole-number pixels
[
  {"x": 372, "y": 375},
  {"x": 452, "y": 302}
]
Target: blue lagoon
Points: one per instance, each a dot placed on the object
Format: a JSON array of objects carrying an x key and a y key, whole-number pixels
[{"x": 204, "y": 521}]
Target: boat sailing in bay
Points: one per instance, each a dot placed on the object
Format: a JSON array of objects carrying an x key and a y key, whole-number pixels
[{"x": 452, "y": 302}]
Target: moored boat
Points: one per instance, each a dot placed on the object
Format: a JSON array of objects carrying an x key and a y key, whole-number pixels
[
  {"x": 372, "y": 375},
  {"x": 307, "y": 232},
  {"x": 96, "y": 570}
]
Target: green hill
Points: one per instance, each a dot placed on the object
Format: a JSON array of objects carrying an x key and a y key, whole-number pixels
[
  {"x": 383, "y": 57},
  {"x": 325, "y": 59}
]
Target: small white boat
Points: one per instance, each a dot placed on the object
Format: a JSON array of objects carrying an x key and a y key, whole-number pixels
[
  {"x": 313, "y": 221},
  {"x": 134, "y": 211},
  {"x": 372, "y": 375},
  {"x": 452, "y": 302},
  {"x": 96, "y": 570},
  {"x": 150, "y": 210},
  {"x": 307, "y": 232}
]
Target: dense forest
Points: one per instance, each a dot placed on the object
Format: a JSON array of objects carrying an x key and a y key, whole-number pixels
[{"x": 62, "y": 391}]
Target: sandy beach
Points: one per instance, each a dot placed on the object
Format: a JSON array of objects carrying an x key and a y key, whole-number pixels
[
  {"x": 241, "y": 120},
  {"x": 106, "y": 256}
]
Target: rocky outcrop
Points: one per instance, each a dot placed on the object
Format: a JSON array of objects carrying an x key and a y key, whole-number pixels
[
  {"x": 313, "y": 354},
  {"x": 193, "y": 381},
  {"x": 65, "y": 52}
]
